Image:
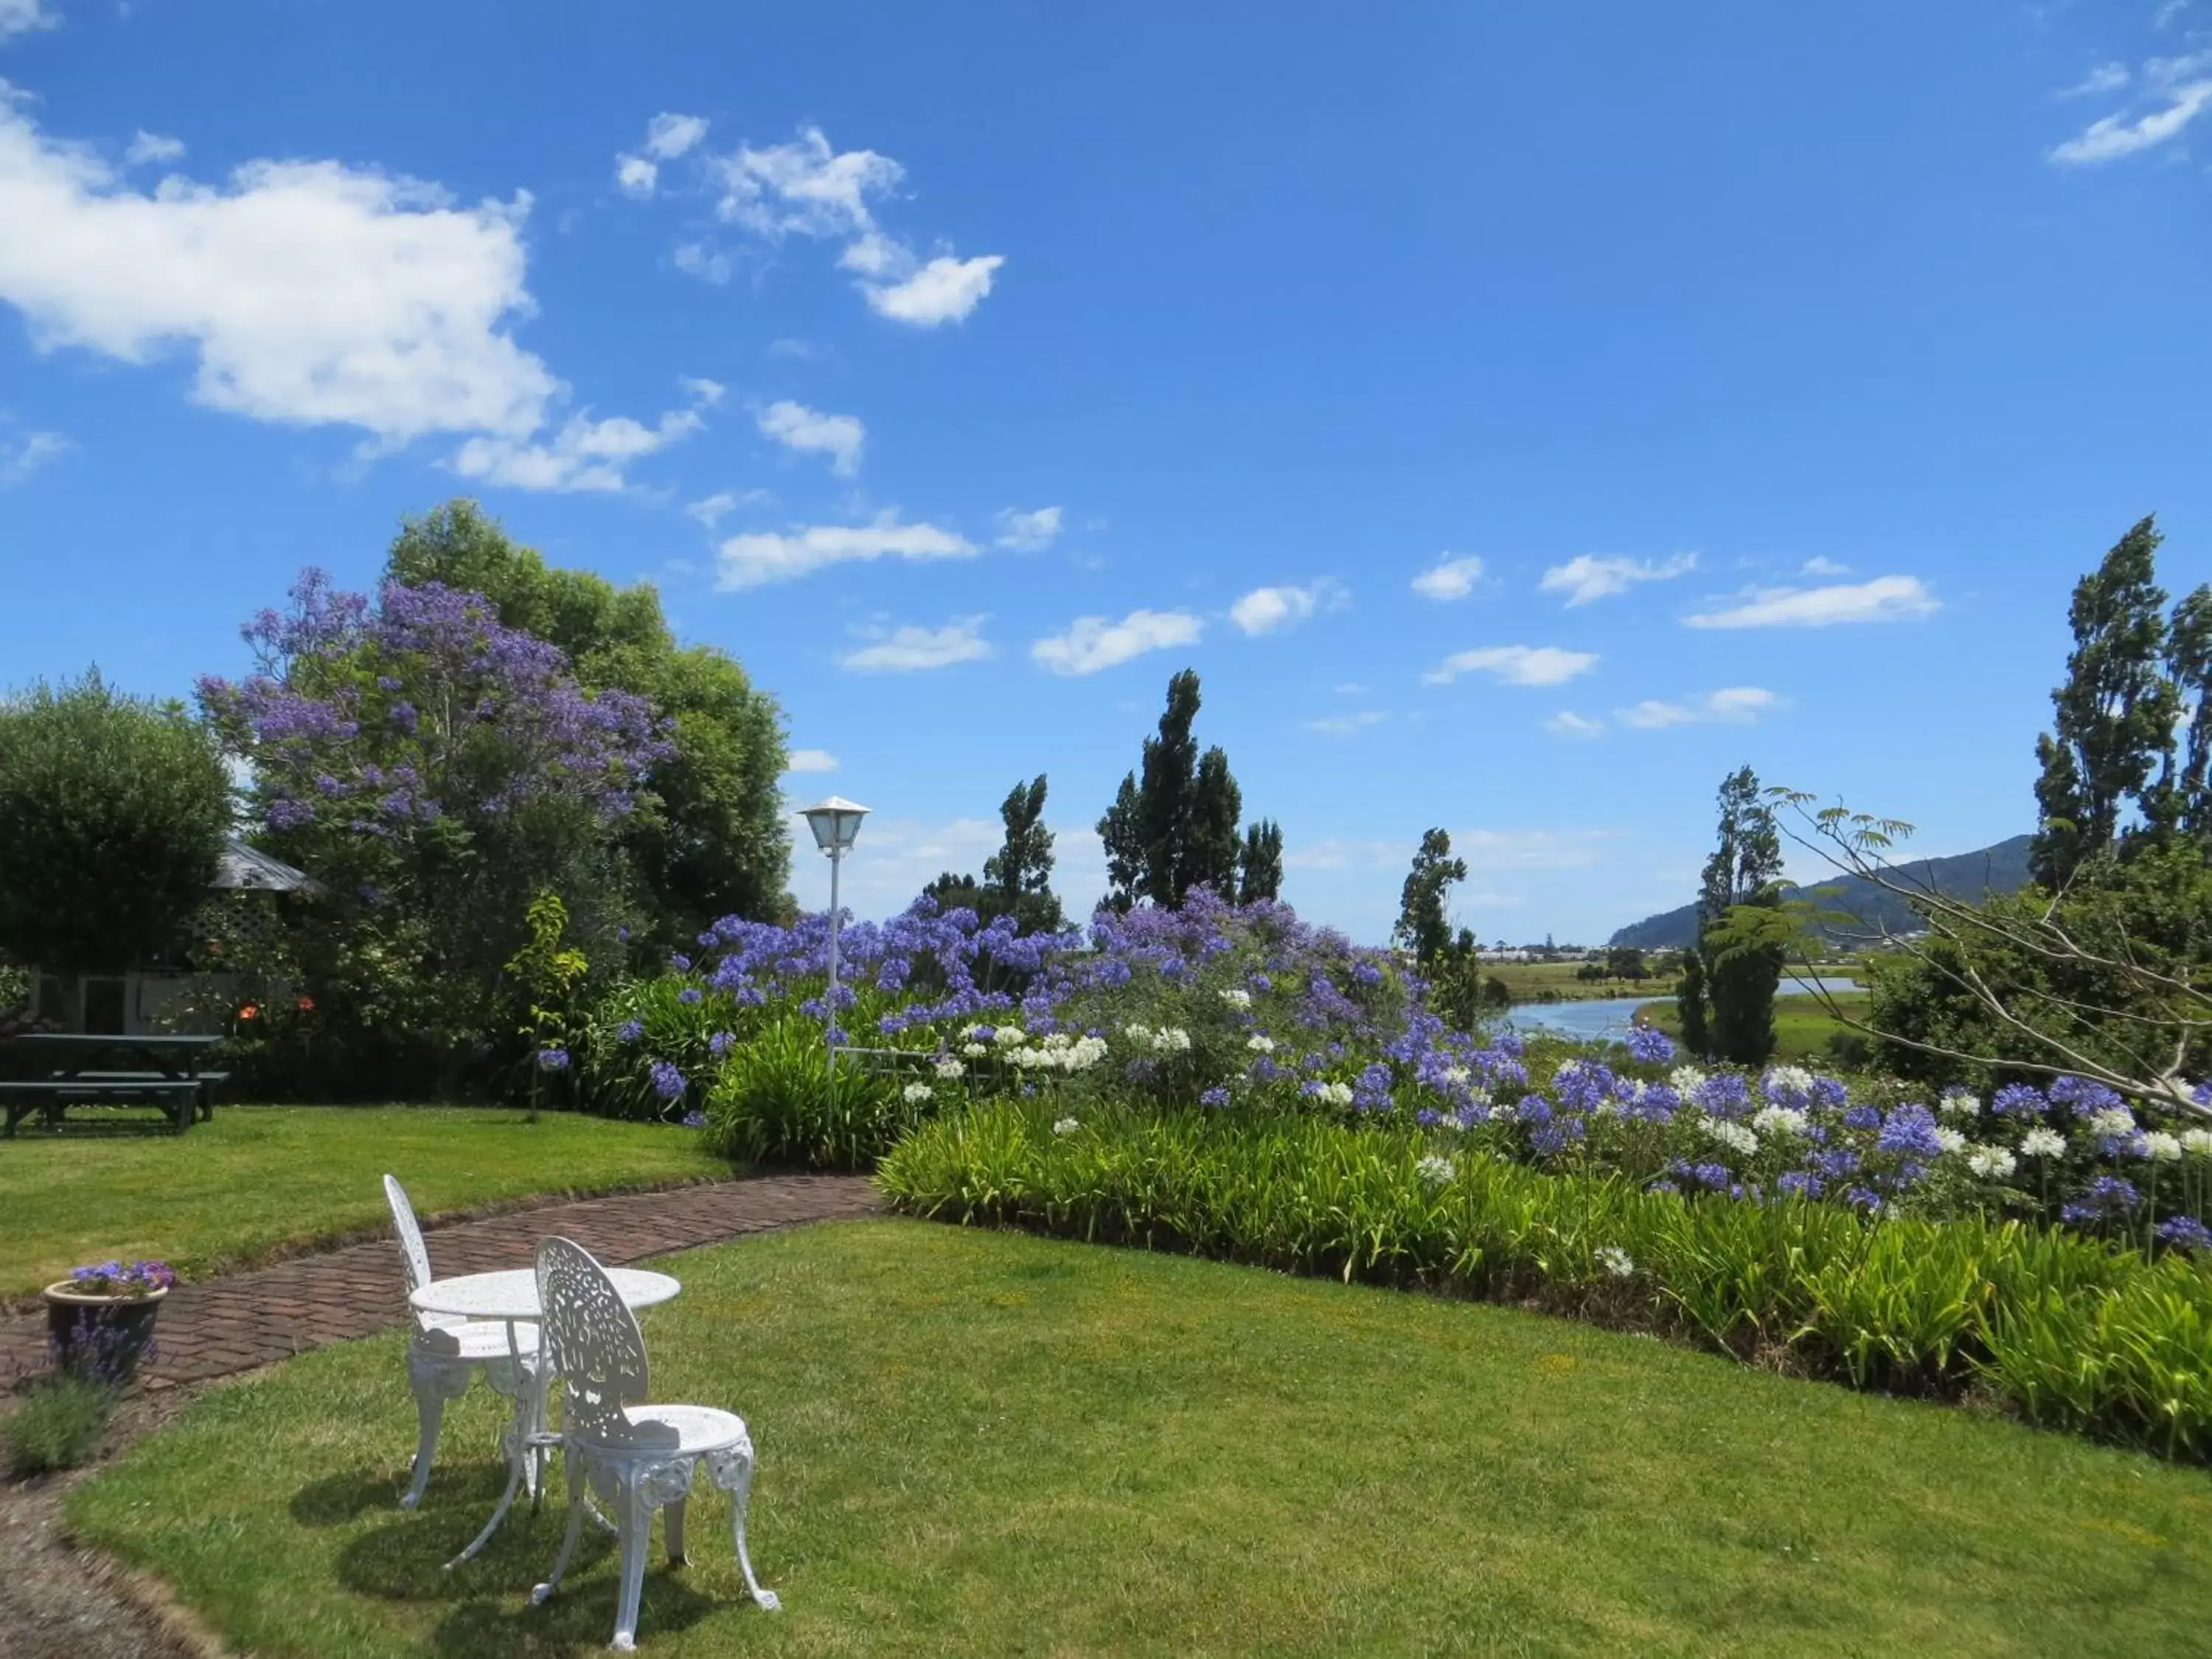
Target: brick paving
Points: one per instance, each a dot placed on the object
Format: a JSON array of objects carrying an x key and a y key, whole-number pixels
[{"x": 240, "y": 1321}]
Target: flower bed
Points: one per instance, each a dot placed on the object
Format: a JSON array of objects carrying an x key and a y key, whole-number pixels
[{"x": 2069, "y": 1331}]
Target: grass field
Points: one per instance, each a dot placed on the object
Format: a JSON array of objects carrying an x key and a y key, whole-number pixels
[
  {"x": 986, "y": 1443},
  {"x": 259, "y": 1179},
  {"x": 1555, "y": 981},
  {"x": 1802, "y": 1026}
]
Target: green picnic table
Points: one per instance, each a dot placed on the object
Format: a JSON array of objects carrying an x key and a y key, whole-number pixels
[{"x": 49, "y": 1072}]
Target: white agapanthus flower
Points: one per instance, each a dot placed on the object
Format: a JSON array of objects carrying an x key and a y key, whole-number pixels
[
  {"x": 2162, "y": 1146},
  {"x": 1062, "y": 1053},
  {"x": 1961, "y": 1105},
  {"x": 1615, "y": 1260},
  {"x": 975, "y": 1050},
  {"x": 1334, "y": 1093},
  {"x": 2113, "y": 1120},
  {"x": 2040, "y": 1142},
  {"x": 1456, "y": 1075},
  {"x": 2197, "y": 1143},
  {"x": 1779, "y": 1120},
  {"x": 1787, "y": 1080},
  {"x": 950, "y": 1068},
  {"x": 1237, "y": 997},
  {"x": 1435, "y": 1171},
  {"x": 914, "y": 1092},
  {"x": 1067, "y": 1126},
  {"x": 1684, "y": 1080},
  {"x": 1952, "y": 1141},
  {"x": 1992, "y": 1162},
  {"x": 1009, "y": 1036},
  {"x": 1736, "y": 1135},
  {"x": 1260, "y": 1043},
  {"x": 1172, "y": 1039}
]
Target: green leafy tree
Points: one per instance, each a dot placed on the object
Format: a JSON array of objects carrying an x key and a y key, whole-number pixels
[
  {"x": 1690, "y": 1002},
  {"x": 1259, "y": 863},
  {"x": 1423, "y": 927},
  {"x": 1018, "y": 878},
  {"x": 2115, "y": 713},
  {"x": 113, "y": 814},
  {"x": 2185, "y": 793},
  {"x": 1739, "y": 976},
  {"x": 1211, "y": 850},
  {"x": 711, "y": 840},
  {"x": 1173, "y": 822},
  {"x": 548, "y": 973}
]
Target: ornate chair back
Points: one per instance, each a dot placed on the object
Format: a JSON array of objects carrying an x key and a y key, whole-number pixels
[
  {"x": 411, "y": 1251},
  {"x": 591, "y": 1339}
]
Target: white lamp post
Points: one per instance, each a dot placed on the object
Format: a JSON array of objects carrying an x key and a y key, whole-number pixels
[{"x": 836, "y": 824}]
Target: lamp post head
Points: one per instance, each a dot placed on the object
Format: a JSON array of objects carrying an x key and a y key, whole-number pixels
[{"x": 836, "y": 823}]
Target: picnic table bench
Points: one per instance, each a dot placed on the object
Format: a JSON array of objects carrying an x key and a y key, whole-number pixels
[{"x": 49, "y": 1072}]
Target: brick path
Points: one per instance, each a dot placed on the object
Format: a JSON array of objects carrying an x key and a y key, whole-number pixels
[{"x": 240, "y": 1321}]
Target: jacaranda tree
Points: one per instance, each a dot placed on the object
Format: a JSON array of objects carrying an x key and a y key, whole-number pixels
[{"x": 434, "y": 771}]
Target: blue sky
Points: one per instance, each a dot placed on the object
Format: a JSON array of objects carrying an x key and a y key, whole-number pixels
[{"x": 1519, "y": 416}]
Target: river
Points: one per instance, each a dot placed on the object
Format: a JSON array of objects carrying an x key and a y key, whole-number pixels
[{"x": 1610, "y": 1016}]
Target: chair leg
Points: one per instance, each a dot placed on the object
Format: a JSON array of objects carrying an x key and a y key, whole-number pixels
[
  {"x": 740, "y": 1495},
  {"x": 573, "y": 1479},
  {"x": 636, "y": 1539},
  {"x": 672, "y": 1519},
  {"x": 430, "y": 1409}
]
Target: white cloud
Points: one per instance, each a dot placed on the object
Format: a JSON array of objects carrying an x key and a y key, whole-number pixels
[
  {"x": 2117, "y": 136},
  {"x": 1884, "y": 599},
  {"x": 715, "y": 507},
  {"x": 2103, "y": 78},
  {"x": 1345, "y": 726},
  {"x": 808, "y": 431},
  {"x": 22, "y": 17},
  {"x": 1818, "y": 566},
  {"x": 146, "y": 146},
  {"x": 909, "y": 649},
  {"x": 809, "y": 188},
  {"x": 311, "y": 292},
  {"x": 943, "y": 291},
  {"x": 1264, "y": 610},
  {"x": 1733, "y": 705},
  {"x": 1449, "y": 578},
  {"x": 704, "y": 392},
  {"x": 708, "y": 264},
  {"x": 668, "y": 135},
  {"x": 585, "y": 455},
  {"x": 752, "y": 561},
  {"x": 20, "y": 461},
  {"x": 1568, "y": 724},
  {"x": 1516, "y": 665},
  {"x": 809, "y": 760},
  {"x": 1585, "y": 577},
  {"x": 1091, "y": 643},
  {"x": 1029, "y": 532},
  {"x": 636, "y": 176}
]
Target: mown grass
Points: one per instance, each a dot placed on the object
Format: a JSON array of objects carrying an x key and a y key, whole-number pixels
[
  {"x": 1803, "y": 1029},
  {"x": 988, "y": 1443},
  {"x": 258, "y": 1180}
]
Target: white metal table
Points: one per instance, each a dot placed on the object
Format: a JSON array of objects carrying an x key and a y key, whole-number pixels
[{"x": 511, "y": 1298}]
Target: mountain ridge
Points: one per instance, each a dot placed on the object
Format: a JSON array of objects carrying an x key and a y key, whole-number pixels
[{"x": 2001, "y": 867}]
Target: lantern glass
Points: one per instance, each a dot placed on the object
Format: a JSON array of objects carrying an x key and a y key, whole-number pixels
[{"x": 836, "y": 823}]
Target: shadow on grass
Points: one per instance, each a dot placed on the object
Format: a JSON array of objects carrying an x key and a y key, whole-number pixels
[{"x": 403, "y": 1558}]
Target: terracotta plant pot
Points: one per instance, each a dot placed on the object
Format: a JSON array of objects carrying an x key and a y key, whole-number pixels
[{"x": 102, "y": 1337}]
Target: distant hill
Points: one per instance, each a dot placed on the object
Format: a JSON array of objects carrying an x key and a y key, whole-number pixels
[{"x": 1970, "y": 876}]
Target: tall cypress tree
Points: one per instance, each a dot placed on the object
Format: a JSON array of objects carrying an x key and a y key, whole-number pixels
[
  {"x": 2114, "y": 714},
  {"x": 1173, "y": 822},
  {"x": 2188, "y": 799},
  {"x": 1260, "y": 864},
  {"x": 1738, "y": 974}
]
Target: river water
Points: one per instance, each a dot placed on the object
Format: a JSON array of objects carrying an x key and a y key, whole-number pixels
[{"x": 1610, "y": 1016}]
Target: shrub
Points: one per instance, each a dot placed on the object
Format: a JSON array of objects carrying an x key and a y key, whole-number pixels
[
  {"x": 774, "y": 1100},
  {"x": 2072, "y": 1332},
  {"x": 58, "y": 1424}
]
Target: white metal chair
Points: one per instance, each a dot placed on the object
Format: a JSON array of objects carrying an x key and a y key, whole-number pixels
[
  {"x": 637, "y": 1457},
  {"x": 447, "y": 1353}
]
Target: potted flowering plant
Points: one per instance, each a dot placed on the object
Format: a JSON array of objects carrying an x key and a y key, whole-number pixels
[{"x": 100, "y": 1318}]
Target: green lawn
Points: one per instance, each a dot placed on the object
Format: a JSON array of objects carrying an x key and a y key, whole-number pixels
[
  {"x": 257, "y": 1179},
  {"x": 990, "y": 1444},
  {"x": 1802, "y": 1025}
]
